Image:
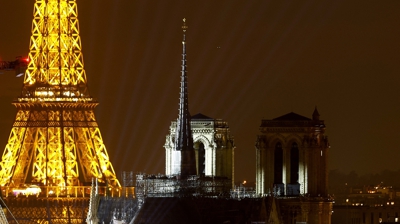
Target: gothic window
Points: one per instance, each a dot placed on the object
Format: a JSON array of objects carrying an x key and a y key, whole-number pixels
[
  {"x": 201, "y": 159},
  {"x": 278, "y": 163},
  {"x": 294, "y": 164}
]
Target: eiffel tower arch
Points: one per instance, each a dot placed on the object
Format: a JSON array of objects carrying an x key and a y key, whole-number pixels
[{"x": 55, "y": 142}]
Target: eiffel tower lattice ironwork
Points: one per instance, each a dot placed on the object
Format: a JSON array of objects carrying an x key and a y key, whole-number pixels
[{"x": 55, "y": 139}]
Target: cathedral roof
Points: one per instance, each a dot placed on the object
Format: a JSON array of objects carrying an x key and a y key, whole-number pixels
[
  {"x": 201, "y": 116},
  {"x": 291, "y": 117},
  {"x": 213, "y": 210}
]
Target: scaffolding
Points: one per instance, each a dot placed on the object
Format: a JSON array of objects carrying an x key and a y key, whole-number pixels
[
  {"x": 128, "y": 184},
  {"x": 171, "y": 186},
  {"x": 239, "y": 192}
]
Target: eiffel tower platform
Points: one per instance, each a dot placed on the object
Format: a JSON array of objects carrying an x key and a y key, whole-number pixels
[
  {"x": 32, "y": 209},
  {"x": 53, "y": 204}
]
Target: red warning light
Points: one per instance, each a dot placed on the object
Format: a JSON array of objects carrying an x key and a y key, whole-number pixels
[{"x": 26, "y": 59}]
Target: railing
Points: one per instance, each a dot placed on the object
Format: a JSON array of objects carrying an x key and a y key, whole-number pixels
[{"x": 290, "y": 123}]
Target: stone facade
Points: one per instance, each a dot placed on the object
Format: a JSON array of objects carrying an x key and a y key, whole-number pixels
[
  {"x": 291, "y": 163},
  {"x": 213, "y": 145}
]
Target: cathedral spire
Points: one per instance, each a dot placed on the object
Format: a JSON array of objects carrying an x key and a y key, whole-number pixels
[
  {"x": 184, "y": 139},
  {"x": 93, "y": 203}
]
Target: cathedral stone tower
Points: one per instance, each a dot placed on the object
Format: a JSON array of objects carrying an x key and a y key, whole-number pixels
[
  {"x": 55, "y": 139},
  {"x": 214, "y": 147},
  {"x": 292, "y": 153},
  {"x": 291, "y": 163}
]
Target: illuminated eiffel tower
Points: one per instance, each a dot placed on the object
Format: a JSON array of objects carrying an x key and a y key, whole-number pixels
[{"x": 55, "y": 139}]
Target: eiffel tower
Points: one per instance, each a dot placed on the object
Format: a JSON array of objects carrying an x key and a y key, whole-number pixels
[{"x": 55, "y": 139}]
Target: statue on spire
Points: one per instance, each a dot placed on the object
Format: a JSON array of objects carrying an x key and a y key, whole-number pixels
[{"x": 184, "y": 27}]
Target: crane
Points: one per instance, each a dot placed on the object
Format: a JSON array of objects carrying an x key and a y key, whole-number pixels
[{"x": 19, "y": 66}]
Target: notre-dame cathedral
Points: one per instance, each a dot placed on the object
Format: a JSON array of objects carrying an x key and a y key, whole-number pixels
[
  {"x": 291, "y": 169},
  {"x": 291, "y": 172}
]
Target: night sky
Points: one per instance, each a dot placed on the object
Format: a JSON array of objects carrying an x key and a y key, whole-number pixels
[{"x": 246, "y": 62}]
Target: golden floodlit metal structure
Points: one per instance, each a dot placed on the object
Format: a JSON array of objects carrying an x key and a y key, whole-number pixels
[{"x": 55, "y": 139}]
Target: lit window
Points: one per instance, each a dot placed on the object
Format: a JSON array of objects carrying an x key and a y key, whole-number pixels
[
  {"x": 380, "y": 220},
  {"x": 396, "y": 219}
]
